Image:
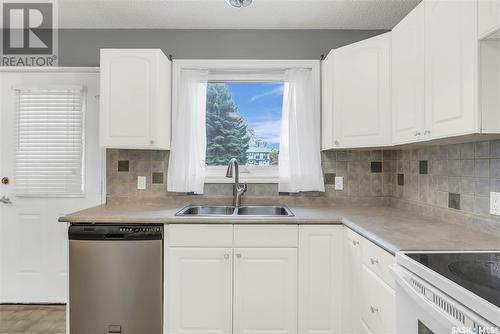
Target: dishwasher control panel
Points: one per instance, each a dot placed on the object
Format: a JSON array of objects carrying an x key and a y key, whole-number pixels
[{"x": 115, "y": 232}]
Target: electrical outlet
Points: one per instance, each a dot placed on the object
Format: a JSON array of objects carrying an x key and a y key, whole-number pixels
[
  {"x": 495, "y": 203},
  {"x": 339, "y": 183},
  {"x": 141, "y": 182}
]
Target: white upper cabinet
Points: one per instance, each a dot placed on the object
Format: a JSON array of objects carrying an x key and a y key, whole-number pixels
[
  {"x": 451, "y": 68},
  {"x": 357, "y": 97},
  {"x": 408, "y": 109},
  {"x": 489, "y": 17},
  {"x": 135, "y": 99}
]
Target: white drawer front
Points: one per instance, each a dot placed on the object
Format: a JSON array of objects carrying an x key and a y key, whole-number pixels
[
  {"x": 266, "y": 235},
  {"x": 378, "y": 309},
  {"x": 352, "y": 237},
  {"x": 201, "y": 235},
  {"x": 378, "y": 260}
]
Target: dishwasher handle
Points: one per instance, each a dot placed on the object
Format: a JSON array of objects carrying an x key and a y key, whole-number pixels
[{"x": 115, "y": 232}]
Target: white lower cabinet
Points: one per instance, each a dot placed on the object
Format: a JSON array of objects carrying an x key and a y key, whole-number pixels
[
  {"x": 199, "y": 290},
  {"x": 378, "y": 303},
  {"x": 270, "y": 279},
  {"x": 265, "y": 290},
  {"x": 369, "y": 302},
  {"x": 351, "y": 293},
  {"x": 320, "y": 275}
]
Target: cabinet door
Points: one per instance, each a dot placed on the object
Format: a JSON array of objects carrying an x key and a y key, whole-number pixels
[
  {"x": 351, "y": 294},
  {"x": 361, "y": 101},
  {"x": 199, "y": 290},
  {"x": 265, "y": 291},
  {"x": 408, "y": 103},
  {"x": 320, "y": 281},
  {"x": 134, "y": 99},
  {"x": 327, "y": 140},
  {"x": 451, "y": 68},
  {"x": 378, "y": 304},
  {"x": 489, "y": 17}
]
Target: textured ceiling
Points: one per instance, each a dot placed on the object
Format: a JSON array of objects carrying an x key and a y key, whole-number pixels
[{"x": 216, "y": 14}]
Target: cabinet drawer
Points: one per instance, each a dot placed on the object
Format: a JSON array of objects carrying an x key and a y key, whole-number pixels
[
  {"x": 207, "y": 235},
  {"x": 352, "y": 237},
  {"x": 265, "y": 235},
  {"x": 377, "y": 260},
  {"x": 378, "y": 309}
]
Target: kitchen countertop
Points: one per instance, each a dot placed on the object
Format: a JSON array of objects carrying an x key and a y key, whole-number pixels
[{"x": 393, "y": 229}]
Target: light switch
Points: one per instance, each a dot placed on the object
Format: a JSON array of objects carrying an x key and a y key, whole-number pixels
[
  {"x": 339, "y": 183},
  {"x": 141, "y": 182},
  {"x": 495, "y": 203}
]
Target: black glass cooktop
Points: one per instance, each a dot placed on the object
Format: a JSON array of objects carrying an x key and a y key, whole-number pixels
[{"x": 476, "y": 272}]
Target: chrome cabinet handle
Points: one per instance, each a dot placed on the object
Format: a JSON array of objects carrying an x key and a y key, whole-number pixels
[
  {"x": 226, "y": 256},
  {"x": 417, "y": 133},
  {"x": 426, "y": 132},
  {"x": 373, "y": 309},
  {"x": 373, "y": 261},
  {"x": 336, "y": 142},
  {"x": 5, "y": 200},
  {"x": 151, "y": 142},
  {"x": 355, "y": 242},
  {"x": 238, "y": 255}
]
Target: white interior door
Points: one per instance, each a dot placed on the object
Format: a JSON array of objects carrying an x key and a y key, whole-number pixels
[{"x": 33, "y": 245}]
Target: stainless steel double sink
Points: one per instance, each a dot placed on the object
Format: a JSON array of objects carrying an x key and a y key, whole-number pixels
[{"x": 248, "y": 210}]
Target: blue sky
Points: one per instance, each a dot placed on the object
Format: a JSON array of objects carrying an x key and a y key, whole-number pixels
[{"x": 260, "y": 104}]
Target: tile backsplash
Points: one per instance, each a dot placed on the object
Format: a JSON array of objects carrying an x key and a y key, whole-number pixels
[
  {"x": 123, "y": 167},
  {"x": 458, "y": 176}
]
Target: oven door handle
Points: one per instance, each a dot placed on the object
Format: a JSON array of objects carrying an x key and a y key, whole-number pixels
[{"x": 425, "y": 304}]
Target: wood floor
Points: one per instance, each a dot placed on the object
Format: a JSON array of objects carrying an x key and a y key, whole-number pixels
[{"x": 32, "y": 319}]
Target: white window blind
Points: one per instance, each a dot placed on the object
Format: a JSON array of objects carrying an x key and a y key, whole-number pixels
[{"x": 50, "y": 142}]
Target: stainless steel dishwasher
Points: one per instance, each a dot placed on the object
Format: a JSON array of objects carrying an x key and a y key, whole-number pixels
[{"x": 116, "y": 279}]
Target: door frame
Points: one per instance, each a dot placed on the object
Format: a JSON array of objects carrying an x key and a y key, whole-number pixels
[{"x": 55, "y": 69}]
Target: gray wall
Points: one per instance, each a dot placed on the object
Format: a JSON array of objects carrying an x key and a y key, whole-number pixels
[{"x": 80, "y": 47}]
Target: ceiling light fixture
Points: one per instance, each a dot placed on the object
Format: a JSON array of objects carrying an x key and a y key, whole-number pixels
[{"x": 239, "y": 3}]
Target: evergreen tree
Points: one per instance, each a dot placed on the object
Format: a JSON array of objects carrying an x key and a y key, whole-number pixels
[{"x": 226, "y": 130}]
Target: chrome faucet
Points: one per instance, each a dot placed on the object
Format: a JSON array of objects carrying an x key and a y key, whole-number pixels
[{"x": 238, "y": 189}]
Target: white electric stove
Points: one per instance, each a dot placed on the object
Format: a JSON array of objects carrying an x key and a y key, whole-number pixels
[{"x": 448, "y": 292}]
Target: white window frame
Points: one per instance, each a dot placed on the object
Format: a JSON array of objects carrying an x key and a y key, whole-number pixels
[{"x": 242, "y": 70}]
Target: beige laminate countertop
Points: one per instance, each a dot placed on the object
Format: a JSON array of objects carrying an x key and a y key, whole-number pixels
[{"x": 391, "y": 228}]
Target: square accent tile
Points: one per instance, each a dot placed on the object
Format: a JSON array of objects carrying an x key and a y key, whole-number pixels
[
  {"x": 454, "y": 201},
  {"x": 401, "y": 179},
  {"x": 123, "y": 165},
  {"x": 329, "y": 178},
  {"x": 157, "y": 178},
  {"x": 376, "y": 166},
  {"x": 423, "y": 167}
]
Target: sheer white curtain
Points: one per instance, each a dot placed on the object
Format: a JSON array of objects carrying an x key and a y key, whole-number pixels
[
  {"x": 186, "y": 169},
  {"x": 300, "y": 156}
]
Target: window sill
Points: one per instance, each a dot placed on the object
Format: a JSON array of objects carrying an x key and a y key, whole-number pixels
[{"x": 248, "y": 174}]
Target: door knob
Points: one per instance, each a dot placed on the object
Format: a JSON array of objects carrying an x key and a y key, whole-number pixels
[
  {"x": 5, "y": 200},
  {"x": 5, "y": 180}
]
